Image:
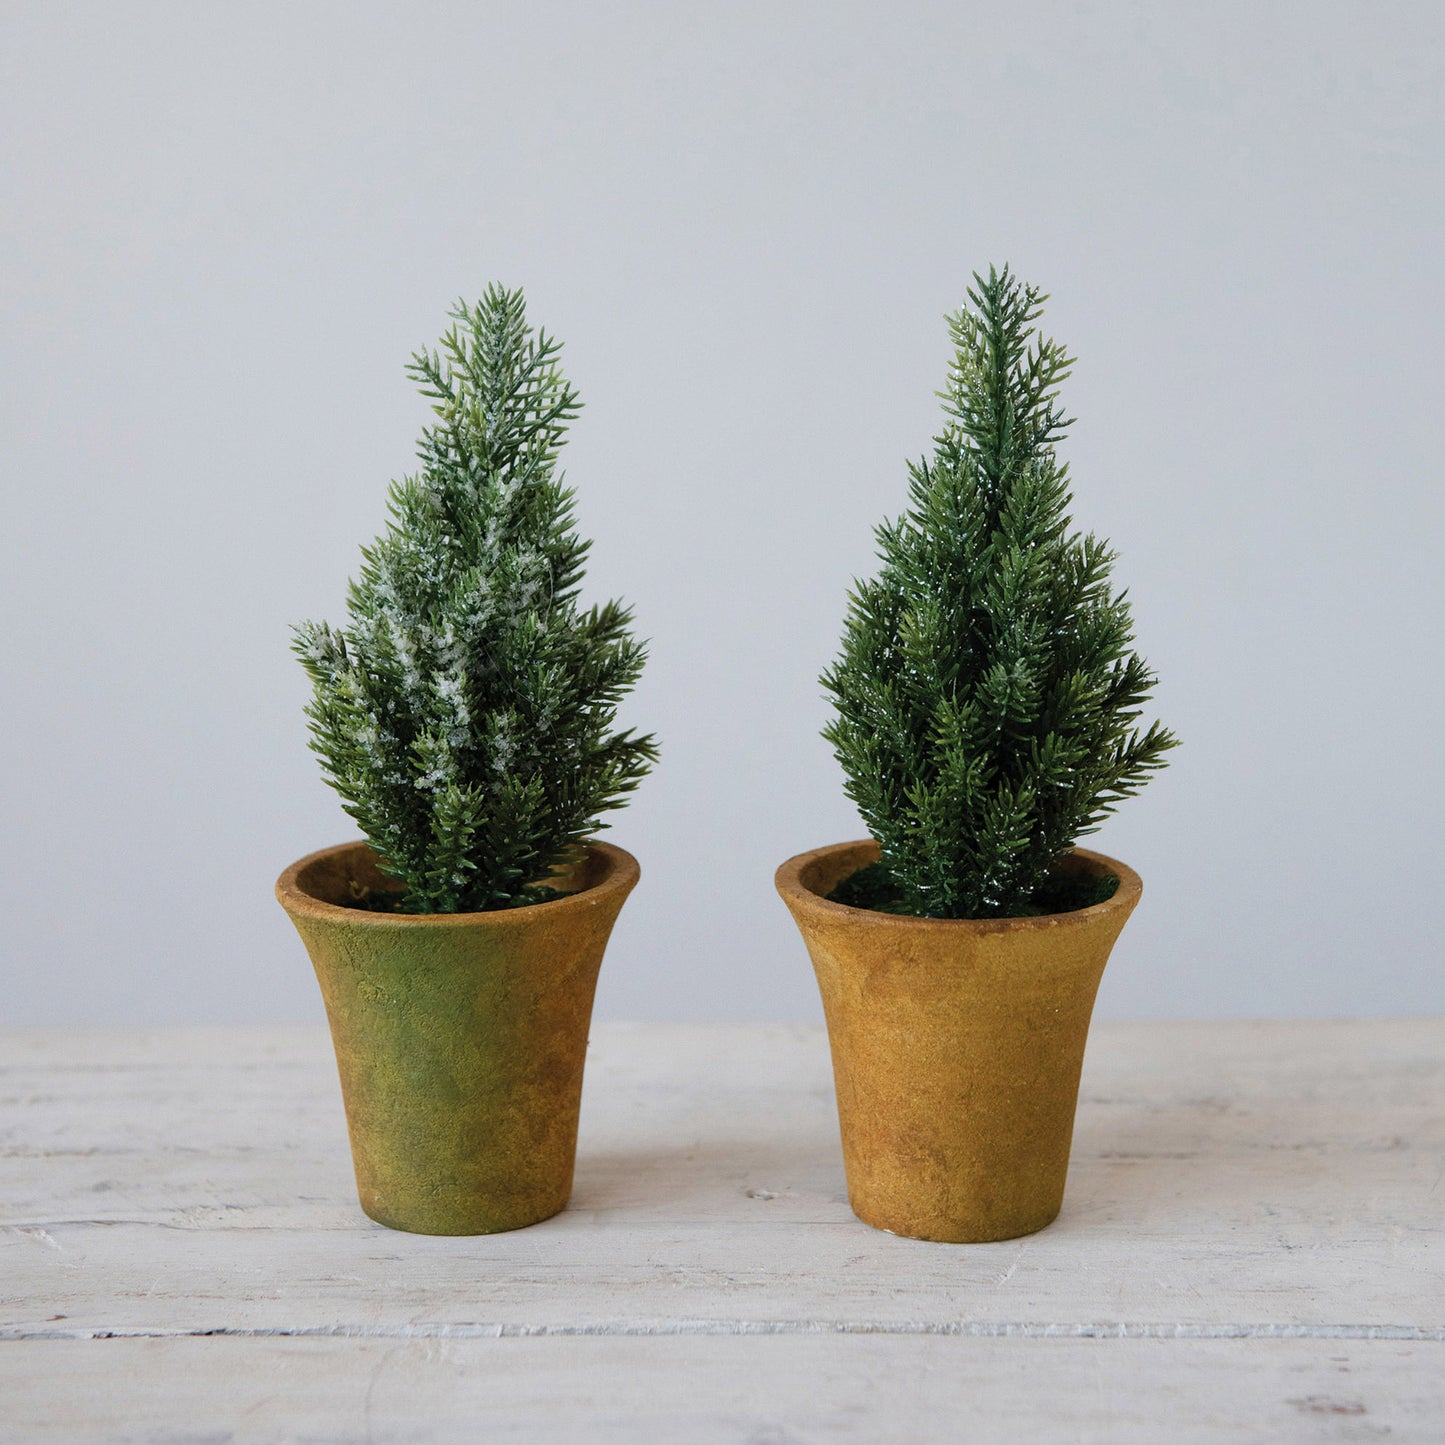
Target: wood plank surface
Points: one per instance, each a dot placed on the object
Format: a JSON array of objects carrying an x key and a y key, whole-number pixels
[
  {"x": 740, "y": 1390},
  {"x": 1249, "y": 1207}
]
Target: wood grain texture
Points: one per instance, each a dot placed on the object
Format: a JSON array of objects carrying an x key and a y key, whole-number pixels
[
  {"x": 873, "y": 1390},
  {"x": 1249, "y": 1205}
]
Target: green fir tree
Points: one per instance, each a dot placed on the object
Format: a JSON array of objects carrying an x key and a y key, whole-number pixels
[
  {"x": 987, "y": 695},
  {"x": 465, "y": 714}
]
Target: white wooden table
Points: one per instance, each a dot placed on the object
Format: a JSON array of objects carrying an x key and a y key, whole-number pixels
[{"x": 1250, "y": 1250}]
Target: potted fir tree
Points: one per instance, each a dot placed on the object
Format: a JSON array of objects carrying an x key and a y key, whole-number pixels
[
  {"x": 987, "y": 701},
  {"x": 466, "y": 717}
]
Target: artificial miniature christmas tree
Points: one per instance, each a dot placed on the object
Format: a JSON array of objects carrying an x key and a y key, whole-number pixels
[
  {"x": 986, "y": 692},
  {"x": 465, "y": 714},
  {"x": 987, "y": 700}
]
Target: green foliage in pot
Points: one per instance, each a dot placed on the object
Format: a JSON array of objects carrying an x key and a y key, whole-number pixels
[
  {"x": 466, "y": 712},
  {"x": 987, "y": 696}
]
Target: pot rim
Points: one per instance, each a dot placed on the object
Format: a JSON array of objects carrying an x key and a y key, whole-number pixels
[
  {"x": 800, "y": 898},
  {"x": 621, "y": 876}
]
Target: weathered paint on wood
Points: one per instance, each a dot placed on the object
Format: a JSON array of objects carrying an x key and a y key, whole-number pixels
[
  {"x": 1249, "y": 1206},
  {"x": 860, "y": 1390}
]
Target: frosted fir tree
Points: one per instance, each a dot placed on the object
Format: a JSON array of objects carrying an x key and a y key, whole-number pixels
[
  {"x": 466, "y": 712},
  {"x": 987, "y": 695}
]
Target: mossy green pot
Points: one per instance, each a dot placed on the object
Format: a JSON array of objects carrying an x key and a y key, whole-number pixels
[
  {"x": 957, "y": 1047},
  {"x": 460, "y": 1038}
]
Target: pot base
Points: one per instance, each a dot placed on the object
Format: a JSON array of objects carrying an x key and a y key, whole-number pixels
[
  {"x": 457, "y": 1223},
  {"x": 953, "y": 1234}
]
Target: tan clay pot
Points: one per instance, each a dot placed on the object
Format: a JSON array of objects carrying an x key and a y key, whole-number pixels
[
  {"x": 460, "y": 1038},
  {"x": 957, "y": 1047}
]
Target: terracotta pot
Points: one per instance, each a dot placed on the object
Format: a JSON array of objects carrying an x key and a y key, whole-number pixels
[
  {"x": 957, "y": 1047},
  {"x": 460, "y": 1038}
]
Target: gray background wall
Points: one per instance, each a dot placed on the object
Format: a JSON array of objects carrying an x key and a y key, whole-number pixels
[{"x": 225, "y": 228}]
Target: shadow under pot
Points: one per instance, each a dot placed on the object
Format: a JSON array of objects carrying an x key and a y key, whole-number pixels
[
  {"x": 460, "y": 1038},
  {"x": 957, "y": 1047}
]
